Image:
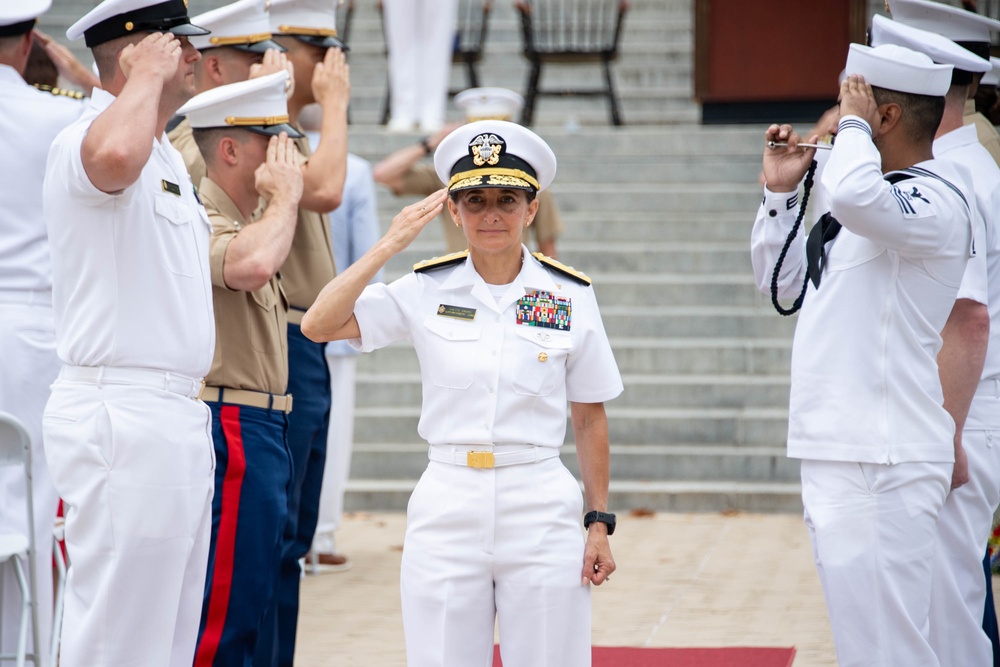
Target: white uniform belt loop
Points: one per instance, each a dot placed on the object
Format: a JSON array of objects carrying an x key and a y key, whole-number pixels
[
  {"x": 144, "y": 377},
  {"x": 463, "y": 455},
  {"x": 27, "y": 297},
  {"x": 990, "y": 387}
]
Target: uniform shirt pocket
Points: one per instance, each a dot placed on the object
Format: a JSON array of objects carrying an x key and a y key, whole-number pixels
[
  {"x": 454, "y": 360},
  {"x": 261, "y": 321},
  {"x": 540, "y": 359},
  {"x": 178, "y": 242}
]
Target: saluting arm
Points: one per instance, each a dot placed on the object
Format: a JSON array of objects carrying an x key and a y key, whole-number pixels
[
  {"x": 120, "y": 140},
  {"x": 331, "y": 317},
  {"x": 257, "y": 252},
  {"x": 326, "y": 170}
]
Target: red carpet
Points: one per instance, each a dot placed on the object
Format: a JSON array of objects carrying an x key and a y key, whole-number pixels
[{"x": 605, "y": 656}]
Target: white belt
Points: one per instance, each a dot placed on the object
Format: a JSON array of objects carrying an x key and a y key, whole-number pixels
[
  {"x": 462, "y": 456},
  {"x": 989, "y": 388},
  {"x": 144, "y": 377},
  {"x": 26, "y": 296}
]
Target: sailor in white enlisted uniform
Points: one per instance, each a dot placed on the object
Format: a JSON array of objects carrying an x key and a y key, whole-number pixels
[
  {"x": 866, "y": 414},
  {"x": 127, "y": 440},
  {"x": 29, "y": 121},
  {"x": 504, "y": 339},
  {"x": 959, "y": 588}
]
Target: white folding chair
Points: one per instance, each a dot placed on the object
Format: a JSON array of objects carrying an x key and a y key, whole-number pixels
[
  {"x": 17, "y": 549},
  {"x": 58, "y": 535}
]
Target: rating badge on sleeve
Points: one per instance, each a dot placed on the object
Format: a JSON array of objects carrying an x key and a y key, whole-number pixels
[{"x": 544, "y": 309}]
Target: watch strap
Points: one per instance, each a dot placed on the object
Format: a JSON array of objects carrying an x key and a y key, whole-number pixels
[{"x": 606, "y": 518}]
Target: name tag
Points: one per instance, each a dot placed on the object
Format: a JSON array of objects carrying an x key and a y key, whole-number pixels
[
  {"x": 172, "y": 188},
  {"x": 457, "y": 312}
]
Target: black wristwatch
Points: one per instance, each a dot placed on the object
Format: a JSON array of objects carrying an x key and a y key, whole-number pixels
[
  {"x": 426, "y": 144},
  {"x": 600, "y": 517}
]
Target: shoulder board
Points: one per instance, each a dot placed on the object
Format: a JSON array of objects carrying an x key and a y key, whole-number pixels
[
  {"x": 440, "y": 262},
  {"x": 559, "y": 267},
  {"x": 63, "y": 92}
]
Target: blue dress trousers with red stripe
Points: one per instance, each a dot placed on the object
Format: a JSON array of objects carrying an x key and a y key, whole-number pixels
[{"x": 249, "y": 510}]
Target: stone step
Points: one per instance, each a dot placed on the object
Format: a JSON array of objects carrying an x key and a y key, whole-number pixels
[
  {"x": 641, "y": 390},
  {"x": 681, "y": 496},
  {"x": 671, "y": 226},
  {"x": 621, "y": 256},
  {"x": 656, "y": 355},
  {"x": 693, "y": 321},
  {"x": 628, "y": 462},
  {"x": 693, "y": 141},
  {"x": 681, "y": 289},
  {"x": 632, "y": 426}
]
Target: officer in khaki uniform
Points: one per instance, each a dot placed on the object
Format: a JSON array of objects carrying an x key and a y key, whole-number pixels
[
  {"x": 401, "y": 173},
  {"x": 239, "y": 127},
  {"x": 307, "y": 28},
  {"x": 239, "y": 46}
]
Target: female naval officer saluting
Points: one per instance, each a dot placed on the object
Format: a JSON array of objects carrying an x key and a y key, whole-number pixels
[{"x": 504, "y": 339}]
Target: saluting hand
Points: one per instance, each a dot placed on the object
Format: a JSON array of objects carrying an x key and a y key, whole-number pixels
[
  {"x": 598, "y": 563},
  {"x": 785, "y": 166},
  {"x": 280, "y": 175},
  {"x": 857, "y": 99},
  {"x": 275, "y": 61},
  {"x": 331, "y": 80},
  {"x": 158, "y": 55},
  {"x": 407, "y": 224}
]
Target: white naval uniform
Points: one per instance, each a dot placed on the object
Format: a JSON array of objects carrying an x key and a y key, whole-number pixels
[
  {"x": 865, "y": 411},
  {"x": 29, "y": 121},
  {"x": 129, "y": 449},
  {"x": 959, "y": 588},
  {"x": 507, "y": 541},
  {"x": 420, "y": 36}
]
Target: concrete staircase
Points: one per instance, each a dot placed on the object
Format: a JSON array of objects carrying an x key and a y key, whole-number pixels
[{"x": 658, "y": 213}]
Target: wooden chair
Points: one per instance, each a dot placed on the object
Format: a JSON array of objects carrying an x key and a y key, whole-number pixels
[
  {"x": 571, "y": 32},
  {"x": 470, "y": 38}
]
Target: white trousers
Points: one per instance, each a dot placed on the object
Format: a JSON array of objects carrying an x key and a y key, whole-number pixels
[
  {"x": 28, "y": 365},
  {"x": 420, "y": 36},
  {"x": 873, "y": 531},
  {"x": 339, "y": 444},
  {"x": 959, "y": 587},
  {"x": 504, "y": 543},
  {"x": 135, "y": 467}
]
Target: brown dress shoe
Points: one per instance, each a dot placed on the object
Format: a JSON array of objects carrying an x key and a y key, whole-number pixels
[{"x": 318, "y": 563}]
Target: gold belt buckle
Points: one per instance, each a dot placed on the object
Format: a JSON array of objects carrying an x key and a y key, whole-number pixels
[{"x": 479, "y": 459}]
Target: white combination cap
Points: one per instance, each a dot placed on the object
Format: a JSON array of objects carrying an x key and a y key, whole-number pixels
[
  {"x": 311, "y": 21},
  {"x": 242, "y": 25},
  {"x": 259, "y": 105},
  {"x": 17, "y": 18},
  {"x": 954, "y": 23},
  {"x": 991, "y": 77},
  {"x": 940, "y": 49},
  {"x": 489, "y": 103},
  {"x": 117, "y": 18},
  {"x": 494, "y": 154},
  {"x": 898, "y": 68}
]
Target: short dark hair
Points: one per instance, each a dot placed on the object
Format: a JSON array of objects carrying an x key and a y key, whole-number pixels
[
  {"x": 921, "y": 113},
  {"x": 208, "y": 139},
  {"x": 40, "y": 68}
]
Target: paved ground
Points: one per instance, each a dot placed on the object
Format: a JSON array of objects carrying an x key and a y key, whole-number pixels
[{"x": 682, "y": 580}]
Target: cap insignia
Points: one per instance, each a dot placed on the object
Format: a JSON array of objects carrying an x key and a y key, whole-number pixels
[{"x": 486, "y": 149}]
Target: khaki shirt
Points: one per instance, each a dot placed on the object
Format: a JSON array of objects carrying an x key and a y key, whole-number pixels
[
  {"x": 987, "y": 134},
  {"x": 251, "y": 342},
  {"x": 423, "y": 180},
  {"x": 182, "y": 138},
  {"x": 309, "y": 266}
]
